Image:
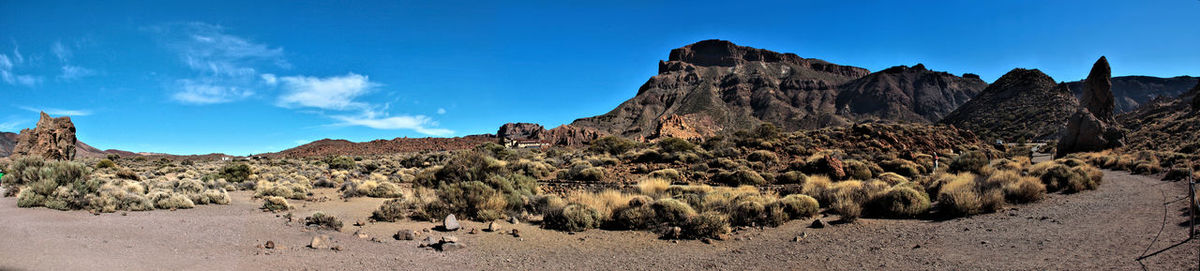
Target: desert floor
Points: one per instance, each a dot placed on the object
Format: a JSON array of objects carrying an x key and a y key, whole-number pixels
[{"x": 1106, "y": 229}]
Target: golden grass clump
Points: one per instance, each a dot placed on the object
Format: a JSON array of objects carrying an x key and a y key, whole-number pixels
[{"x": 654, "y": 187}]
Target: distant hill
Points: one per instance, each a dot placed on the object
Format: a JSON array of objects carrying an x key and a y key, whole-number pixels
[
  {"x": 1165, "y": 124},
  {"x": 1022, "y": 104},
  {"x": 1132, "y": 92},
  {"x": 715, "y": 86},
  {"x": 326, "y": 147}
]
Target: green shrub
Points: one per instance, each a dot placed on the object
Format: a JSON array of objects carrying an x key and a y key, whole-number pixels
[
  {"x": 1025, "y": 190},
  {"x": 848, "y": 210},
  {"x": 901, "y": 202},
  {"x": 474, "y": 199},
  {"x": 573, "y": 218},
  {"x": 740, "y": 177},
  {"x": 340, "y": 162},
  {"x": 611, "y": 145},
  {"x": 637, "y": 215},
  {"x": 667, "y": 174},
  {"x": 676, "y": 145},
  {"x": 791, "y": 177},
  {"x": 391, "y": 210},
  {"x": 707, "y": 225},
  {"x": 972, "y": 161},
  {"x": 322, "y": 221},
  {"x": 857, "y": 170},
  {"x": 766, "y": 157},
  {"x": 173, "y": 201},
  {"x": 1063, "y": 178},
  {"x": 235, "y": 173},
  {"x": 903, "y": 167},
  {"x": 672, "y": 211},
  {"x": 275, "y": 204},
  {"x": 214, "y": 196},
  {"x": 799, "y": 206},
  {"x": 105, "y": 163}
]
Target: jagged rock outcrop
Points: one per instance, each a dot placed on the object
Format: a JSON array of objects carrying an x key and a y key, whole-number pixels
[
  {"x": 1022, "y": 104},
  {"x": 7, "y": 142},
  {"x": 1131, "y": 92},
  {"x": 906, "y": 94},
  {"x": 520, "y": 131},
  {"x": 715, "y": 87},
  {"x": 53, "y": 138},
  {"x": 1092, "y": 127}
]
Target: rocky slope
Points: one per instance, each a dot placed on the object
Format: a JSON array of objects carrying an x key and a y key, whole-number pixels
[
  {"x": 53, "y": 138},
  {"x": 7, "y": 142},
  {"x": 715, "y": 86},
  {"x": 1131, "y": 92},
  {"x": 906, "y": 94},
  {"x": 1021, "y": 104},
  {"x": 1166, "y": 124}
]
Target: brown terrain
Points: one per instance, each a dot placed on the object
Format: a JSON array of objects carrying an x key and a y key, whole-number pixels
[
  {"x": 1023, "y": 103},
  {"x": 1109, "y": 228},
  {"x": 326, "y": 147}
]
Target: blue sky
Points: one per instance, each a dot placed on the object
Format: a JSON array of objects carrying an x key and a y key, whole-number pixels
[{"x": 244, "y": 77}]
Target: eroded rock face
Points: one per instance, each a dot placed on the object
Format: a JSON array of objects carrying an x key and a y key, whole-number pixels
[
  {"x": 1097, "y": 91},
  {"x": 1092, "y": 127},
  {"x": 686, "y": 127},
  {"x": 520, "y": 131},
  {"x": 53, "y": 138}
]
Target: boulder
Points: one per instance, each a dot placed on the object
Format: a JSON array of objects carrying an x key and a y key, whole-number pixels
[
  {"x": 270, "y": 245},
  {"x": 1092, "y": 127},
  {"x": 834, "y": 167},
  {"x": 319, "y": 242},
  {"x": 450, "y": 223},
  {"x": 448, "y": 247},
  {"x": 493, "y": 227},
  {"x": 817, "y": 224},
  {"x": 520, "y": 131},
  {"x": 1097, "y": 91},
  {"x": 53, "y": 138}
]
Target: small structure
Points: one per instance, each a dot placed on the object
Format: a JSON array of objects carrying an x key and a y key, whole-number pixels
[{"x": 525, "y": 144}]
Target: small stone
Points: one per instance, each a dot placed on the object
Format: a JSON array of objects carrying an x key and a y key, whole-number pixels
[
  {"x": 448, "y": 247},
  {"x": 427, "y": 242},
  {"x": 450, "y": 223},
  {"x": 361, "y": 235},
  {"x": 449, "y": 239},
  {"x": 124, "y": 214},
  {"x": 513, "y": 220},
  {"x": 516, "y": 233},
  {"x": 818, "y": 224},
  {"x": 493, "y": 227},
  {"x": 706, "y": 240},
  {"x": 360, "y": 223},
  {"x": 270, "y": 245},
  {"x": 405, "y": 234},
  {"x": 336, "y": 248},
  {"x": 674, "y": 241},
  {"x": 473, "y": 231},
  {"x": 319, "y": 242},
  {"x": 796, "y": 239},
  {"x": 676, "y": 232}
]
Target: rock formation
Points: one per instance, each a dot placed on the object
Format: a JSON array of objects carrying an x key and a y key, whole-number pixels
[
  {"x": 520, "y": 131},
  {"x": 1022, "y": 104},
  {"x": 1092, "y": 127},
  {"x": 564, "y": 135},
  {"x": 715, "y": 87},
  {"x": 53, "y": 138}
]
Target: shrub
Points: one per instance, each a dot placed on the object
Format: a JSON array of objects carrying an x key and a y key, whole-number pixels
[
  {"x": 740, "y": 177},
  {"x": 1025, "y": 190},
  {"x": 707, "y": 225},
  {"x": 903, "y": 167},
  {"x": 106, "y": 163},
  {"x": 960, "y": 200},
  {"x": 763, "y": 156},
  {"x": 1092, "y": 176},
  {"x": 972, "y": 161},
  {"x": 653, "y": 187},
  {"x": 284, "y": 189},
  {"x": 637, "y": 215},
  {"x": 474, "y": 199},
  {"x": 585, "y": 173},
  {"x": 573, "y": 218},
  {"x": 901, "y": 202},
  {"x": 386, "y": 190},
  {"x": 213, "y": 196},
  {"x": 675, "y": 145},
  {"x": 391, "y": 210},
  {"x": 173, "y": 201},
  {"x": 340, "y": 162},
  {"x": 672, "y": 211},
  {"x": 791, "y": 177},
  {"x": 857, "y": 170},
  {"x": 323, "y": 221},
  {"x": 275, "y": 204},
  {"x": 667, "y": 174},
  {"x": 611, "y": 145},
  {"x": 892, "y": 178},
  {"x": 235, "y": 173},
  {"x": 1063, "y": 178},
  {"x": 798, "y": 206},
  {"x": 849, "y": 210}
]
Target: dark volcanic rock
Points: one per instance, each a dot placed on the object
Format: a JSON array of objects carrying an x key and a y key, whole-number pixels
[
  {"x": 1097, "y": 91},
  {"x": 907, "y": 94},
  {"x": 327, "y": 147},
  {"x": 520, "y": 131},
  {"x": 1194, "y": 95},
  {"x": 1021, "y": 104},
  {"x": 1092, "y": 128},
  {"x": 53, "y": 138}
]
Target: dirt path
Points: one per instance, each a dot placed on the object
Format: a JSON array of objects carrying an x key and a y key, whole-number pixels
[{"x": 1104, "y": 229}]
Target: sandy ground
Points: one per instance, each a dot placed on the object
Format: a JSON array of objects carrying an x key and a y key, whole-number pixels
[{"x": 1106, "y": 229}]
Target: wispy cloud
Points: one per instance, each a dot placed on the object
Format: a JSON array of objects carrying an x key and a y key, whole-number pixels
[
  {"x": 441, "y": 111},
  {"x": 59, "y": 112},
  {"x": 71, "y": 72},
  {"x": 60, "y": 51},
  {"x": 8, "y": 65},
  {"x": 335, "y": 93},
  {"x": 11, "y": 125},
  {"x": 226, "y": 65},
  {"x": 418, "y": 123}
]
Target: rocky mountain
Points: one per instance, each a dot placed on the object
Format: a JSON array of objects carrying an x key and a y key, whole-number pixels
[
  {"x": 1022, "y": 104},
  {"x": 715, "y": 86},
  {"x": 326, "y": 147},
  {"x": 906, "y": 94},
  {"x": 1131, "y": 92},
  {"x": 7, "y": 142},
  {"x": 1165, "y": 124}
]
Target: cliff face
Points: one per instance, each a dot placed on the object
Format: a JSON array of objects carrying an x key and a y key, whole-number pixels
[
  {"x": 715, "y": 86},
  {"x": 1022, "y": 104},
  {"x": 53, "y": 138}
]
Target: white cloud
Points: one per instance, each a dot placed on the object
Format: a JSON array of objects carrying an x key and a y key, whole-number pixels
[
  {"x": 419, "y": 123},
  {"x": 59, "y": 112},
  {"x": 335, "y": 93},
  {"x": 202, "y": 92},
  {"x": 441, "y": 111},
  {"x": 61, "y": 52},
  {"x": 10, "y": 126},
  {"x": 226, "y": 66},
  {"x": 70, "y": 72},
  {"x": 7, "y": 65}
]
